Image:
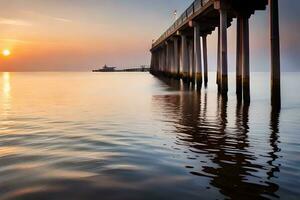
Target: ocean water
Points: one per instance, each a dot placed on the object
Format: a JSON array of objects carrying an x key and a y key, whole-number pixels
[{"x": 134, "y": 136}]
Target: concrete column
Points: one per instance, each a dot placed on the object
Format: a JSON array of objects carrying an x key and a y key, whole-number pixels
[
  {"x": 239, "y": 63},
  {"x": 184, "y": 55},
  {"x": 159, "y": 60},
  {"x": 223, "y": 49},
  {"x": 176, "y": 57},
  {"x": 275, "y": 55},
  {"x": 197, "y": 72},
  {"x": 151, "y": 62},
  {"x": 163, "y": 60},
  {"x": 154, "y": 62},
  {"x": 218, "y": 79},
  {"x": 245, "y": 58},
  {"x": 191, "y": 61},
  {"x": 205, "y": 62},
  {"x": 167, "y": 59},
  {"x": 172, "y": 59},
  {"x": 180, "y": 59}
]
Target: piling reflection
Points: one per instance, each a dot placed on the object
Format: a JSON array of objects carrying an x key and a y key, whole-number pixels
[
  {"x": 274, "y": 141},
  {"x": 224, "y": 153}
]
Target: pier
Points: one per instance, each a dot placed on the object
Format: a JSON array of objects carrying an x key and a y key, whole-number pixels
[{"x": 177, "y": 53}]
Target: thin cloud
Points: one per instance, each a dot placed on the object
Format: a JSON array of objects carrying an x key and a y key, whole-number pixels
[
  {"x": 60, "y": 19},
  {"x": 14, "y": 40},
  {"x": 34, "y": 42},
  {"x": 14, "y": 22}
]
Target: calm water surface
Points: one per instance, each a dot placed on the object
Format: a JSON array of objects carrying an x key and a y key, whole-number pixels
[{"x": 133, "y": 136}]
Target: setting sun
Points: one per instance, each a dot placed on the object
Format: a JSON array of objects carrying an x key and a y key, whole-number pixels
[{"x": 6, "y": 52}]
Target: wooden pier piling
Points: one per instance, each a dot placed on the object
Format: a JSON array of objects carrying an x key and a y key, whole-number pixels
[
  {"x": 184, "y": 60},
  {"x": 176, "y": 58},
  {"x": 275, "y": 54},
  {"x": 197, "y": 55},
  {"x": 245, "y": 59},
  {"x": 218, "y": 79},
  {"x": 223, "y": 50},
  {"x": 205, "y": 62},
  {"x": 239, "y": 63}
]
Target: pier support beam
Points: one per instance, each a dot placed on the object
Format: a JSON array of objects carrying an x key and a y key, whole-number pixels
[
  {"x": 275, "y": 55},
  {"x": 239, "y": 63},
  {"x": 218, "y": 79},
  {"x": 205, "y": 63},
  {"x": 184, "y": 58},
  {"x": 245, "y": 59},
  {"x": 176, "y": 57},
  {"x": 180, "y": 59},
  {"x": 166, "y": 59},
  {"x": 197, "y": 72},
  {"x": 223, "y": 50},
  {"x": 156, "y": 62},
  {"x": 191, "y": 60},
  {"x": 167, "y": 70},
  {"x": 159, "y": 61},
  {"x": 151, "y": 63},
  {"x": 162, "y": 61},
  {"x": 171, "y": 58}
]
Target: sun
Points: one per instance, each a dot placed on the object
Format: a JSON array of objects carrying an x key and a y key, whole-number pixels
[{"x": 6, "y": 52}]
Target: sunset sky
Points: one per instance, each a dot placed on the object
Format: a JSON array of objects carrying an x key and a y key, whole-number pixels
[{"x": 79, "y": 35}]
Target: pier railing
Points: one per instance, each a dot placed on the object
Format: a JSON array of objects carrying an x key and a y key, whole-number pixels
[{"x": 193, "y": 8}]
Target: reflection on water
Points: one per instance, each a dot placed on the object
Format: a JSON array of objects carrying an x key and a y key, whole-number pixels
[
  {"x": 6, "y": 88},
  {"x": 6, "y": 84},
  {"x": 6, "y": 98},
  {"x": 231, "y": 165},
  {"x": 74, "y": 136}
]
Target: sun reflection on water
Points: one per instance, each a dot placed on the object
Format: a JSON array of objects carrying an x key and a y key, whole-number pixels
[
  {"x": 6, "y": 84},
  {"x": 6, "y": 91}
]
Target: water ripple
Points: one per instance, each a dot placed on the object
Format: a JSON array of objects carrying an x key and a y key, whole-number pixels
[{"x": 164, "y": 142}]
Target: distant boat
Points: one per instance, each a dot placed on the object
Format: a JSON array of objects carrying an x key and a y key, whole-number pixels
[{"x": 105, "y": 68}]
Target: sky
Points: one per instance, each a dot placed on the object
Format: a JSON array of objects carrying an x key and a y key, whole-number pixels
[{"x": 80, "y": 35}]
